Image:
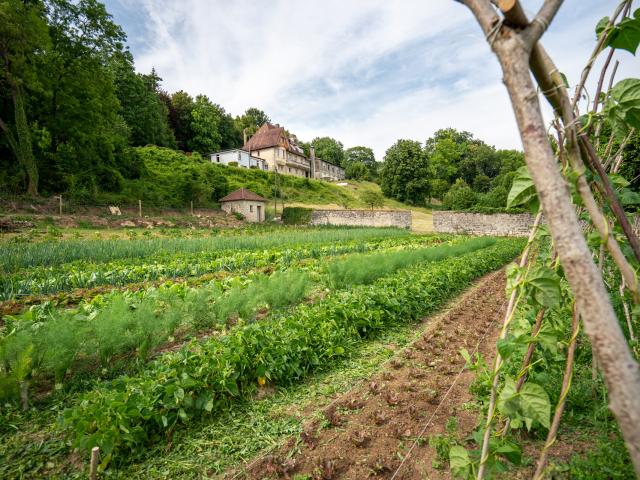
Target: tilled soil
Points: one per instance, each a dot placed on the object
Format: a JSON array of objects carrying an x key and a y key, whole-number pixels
[{"x": 368, "y": 431}]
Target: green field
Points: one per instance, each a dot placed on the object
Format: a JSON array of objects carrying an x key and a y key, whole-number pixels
[{"x": 185, "y": 331}]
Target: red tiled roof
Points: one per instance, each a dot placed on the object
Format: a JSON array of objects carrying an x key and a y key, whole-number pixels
[
  {"x": 269, "y": 136},
  {"x": 243, "y": 194}
]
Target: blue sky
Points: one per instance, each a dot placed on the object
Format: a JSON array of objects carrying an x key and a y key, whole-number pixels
[{"x": 366, "y": 72}]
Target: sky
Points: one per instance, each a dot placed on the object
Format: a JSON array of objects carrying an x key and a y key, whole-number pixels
[{"x": 366, "y": 72}]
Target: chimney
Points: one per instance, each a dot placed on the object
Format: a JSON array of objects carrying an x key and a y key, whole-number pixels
[{"x": 312, "y": 154}]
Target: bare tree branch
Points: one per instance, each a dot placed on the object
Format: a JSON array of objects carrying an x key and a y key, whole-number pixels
[
  {"x": 541, "y": 22},
  {"x": 621, "y": 371}
]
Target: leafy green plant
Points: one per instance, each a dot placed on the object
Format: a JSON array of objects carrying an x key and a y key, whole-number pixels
[{"x": 205, "y": 378}]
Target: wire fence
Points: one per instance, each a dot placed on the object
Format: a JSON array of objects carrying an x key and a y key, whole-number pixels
[{"x": 60, "y": 205}]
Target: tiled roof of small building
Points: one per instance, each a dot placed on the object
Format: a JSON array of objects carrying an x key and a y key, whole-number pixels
[{"x": 243, "y": 194}]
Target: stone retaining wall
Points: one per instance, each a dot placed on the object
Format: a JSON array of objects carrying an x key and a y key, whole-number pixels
[
  {"x": 362, "y": 218},
  {"x": 499, "y": 224}
]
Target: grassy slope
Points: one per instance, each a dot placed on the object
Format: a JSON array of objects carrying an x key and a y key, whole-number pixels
[{"x": 318, "y": 194}]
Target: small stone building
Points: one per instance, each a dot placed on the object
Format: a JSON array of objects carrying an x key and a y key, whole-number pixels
[{"x": 244, "y": 201}]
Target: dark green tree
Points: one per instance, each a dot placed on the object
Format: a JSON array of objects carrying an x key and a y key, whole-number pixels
[
  {"x": 23, "y": 35},
  {"x": 78, "y": 104},
  {"x": 356, "y": 171},
  {"x": 405, "y": 173},
  {"x": 329, "y": 149},
  {"x": 364, "y": 156},
  {"x": 140, "y": 104},
  {"x": 180, "y": 105},
  {"x": 460, "y": 196},
  {"x": 206, "y": 123},
  {"x": 250, "y": 121}
]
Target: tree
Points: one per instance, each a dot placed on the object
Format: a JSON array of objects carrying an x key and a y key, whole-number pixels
[
  {"x": 329, "y": 149},
  {"x": 363, "y": 156},
  {"x": 141, "y": 105},
  {"x": 481, "y": 183},
  {"x": 460, "y": 196},
  {"x": 23, "y": 33},
  {"x": 405, "y": 172},
  {"x": 372, "y": 199},
  {"x": 357, "y": 171},
  {"x": 250, "y": 121},
  {"x": 180, "y": 105},
  {"x": 206, "y": 119}
]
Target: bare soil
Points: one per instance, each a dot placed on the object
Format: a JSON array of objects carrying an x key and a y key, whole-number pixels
[{"x": 368, "y": 431}]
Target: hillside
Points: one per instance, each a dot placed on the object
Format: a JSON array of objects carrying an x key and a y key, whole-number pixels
[{"x": 168, "y": 178}]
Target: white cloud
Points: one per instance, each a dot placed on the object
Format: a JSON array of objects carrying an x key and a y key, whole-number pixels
[{"x": 364, "y": 71}]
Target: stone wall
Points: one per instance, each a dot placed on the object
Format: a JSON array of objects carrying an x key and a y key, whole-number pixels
[
  {"x": 500, "y": 224},
  {"x": 362, "y": 218}
]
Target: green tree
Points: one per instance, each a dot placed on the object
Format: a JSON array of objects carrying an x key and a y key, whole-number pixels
[
  {"x": 372, "y": 199},
  {"x": 250, "y": 121},
  {"x": 356, "y": 171},
  {"x": 460, "y": 196},
  {"x": 23, "y": 34},
  {"x": 364, "y": 156},
  {"x": 329, "y": 149},
  {"x": 438, "y": 188},
  {"x": 481, "y": 183},
  {"x": 140, "y": 104},
  {"x": 180, "y": 105},
  {"x": 206, "y": 120},
  {"x": 405, "y": 172}
]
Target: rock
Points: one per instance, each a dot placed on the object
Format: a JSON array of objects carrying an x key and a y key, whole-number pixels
[
  {"x": 127, "y": 223},
  {"x": 114, "y": 210}
]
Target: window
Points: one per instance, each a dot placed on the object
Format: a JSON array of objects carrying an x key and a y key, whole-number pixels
[
  {"x": 238, "y": 156},
  {"x": 250, "y": 208},
  {"x": 218, "y": 158}
]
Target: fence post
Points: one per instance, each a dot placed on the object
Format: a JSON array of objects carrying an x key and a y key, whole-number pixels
[
  {"x": 93, "y": 466},
  {"x": 192, "y": 208},
  {"x": 140, "y": 208},
  {"x": 60, "y": 204}
]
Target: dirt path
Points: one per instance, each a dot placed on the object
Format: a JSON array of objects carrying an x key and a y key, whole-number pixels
[{"x": 368, "y": 431}]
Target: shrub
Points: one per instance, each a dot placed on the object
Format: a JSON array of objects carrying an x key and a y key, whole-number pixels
[
  {"x": 460, "y": 196},
  {"x": 372, "y": 199},
  {"x": 296, "y": 215}
]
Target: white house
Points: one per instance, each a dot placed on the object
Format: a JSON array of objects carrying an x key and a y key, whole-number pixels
[{"x": 239, "y": 158}]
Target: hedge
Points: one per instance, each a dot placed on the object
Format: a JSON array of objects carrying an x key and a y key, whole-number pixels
[{"x": 296, "y": 215}]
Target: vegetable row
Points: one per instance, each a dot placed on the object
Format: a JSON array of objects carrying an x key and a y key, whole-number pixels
[
  {"x": 23, "y": 255},
  {"x": 46, "y": 343},
  {"x": 130, "y": 412},
  {"x": 47, "y": 280}
]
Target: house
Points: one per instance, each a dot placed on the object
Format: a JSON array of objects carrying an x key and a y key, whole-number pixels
[
  {"x": 280, "y": 151},
  {"x": 272, "y": 148},
  {"x": 249, "y": 204},
  {"x": 238, "y": 157},
  {"x": 323, "y": 170}
]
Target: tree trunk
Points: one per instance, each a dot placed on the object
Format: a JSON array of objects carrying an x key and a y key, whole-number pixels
[
  {"x": 24, "y": 151},
  {"x": 621, "y": 371}
]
